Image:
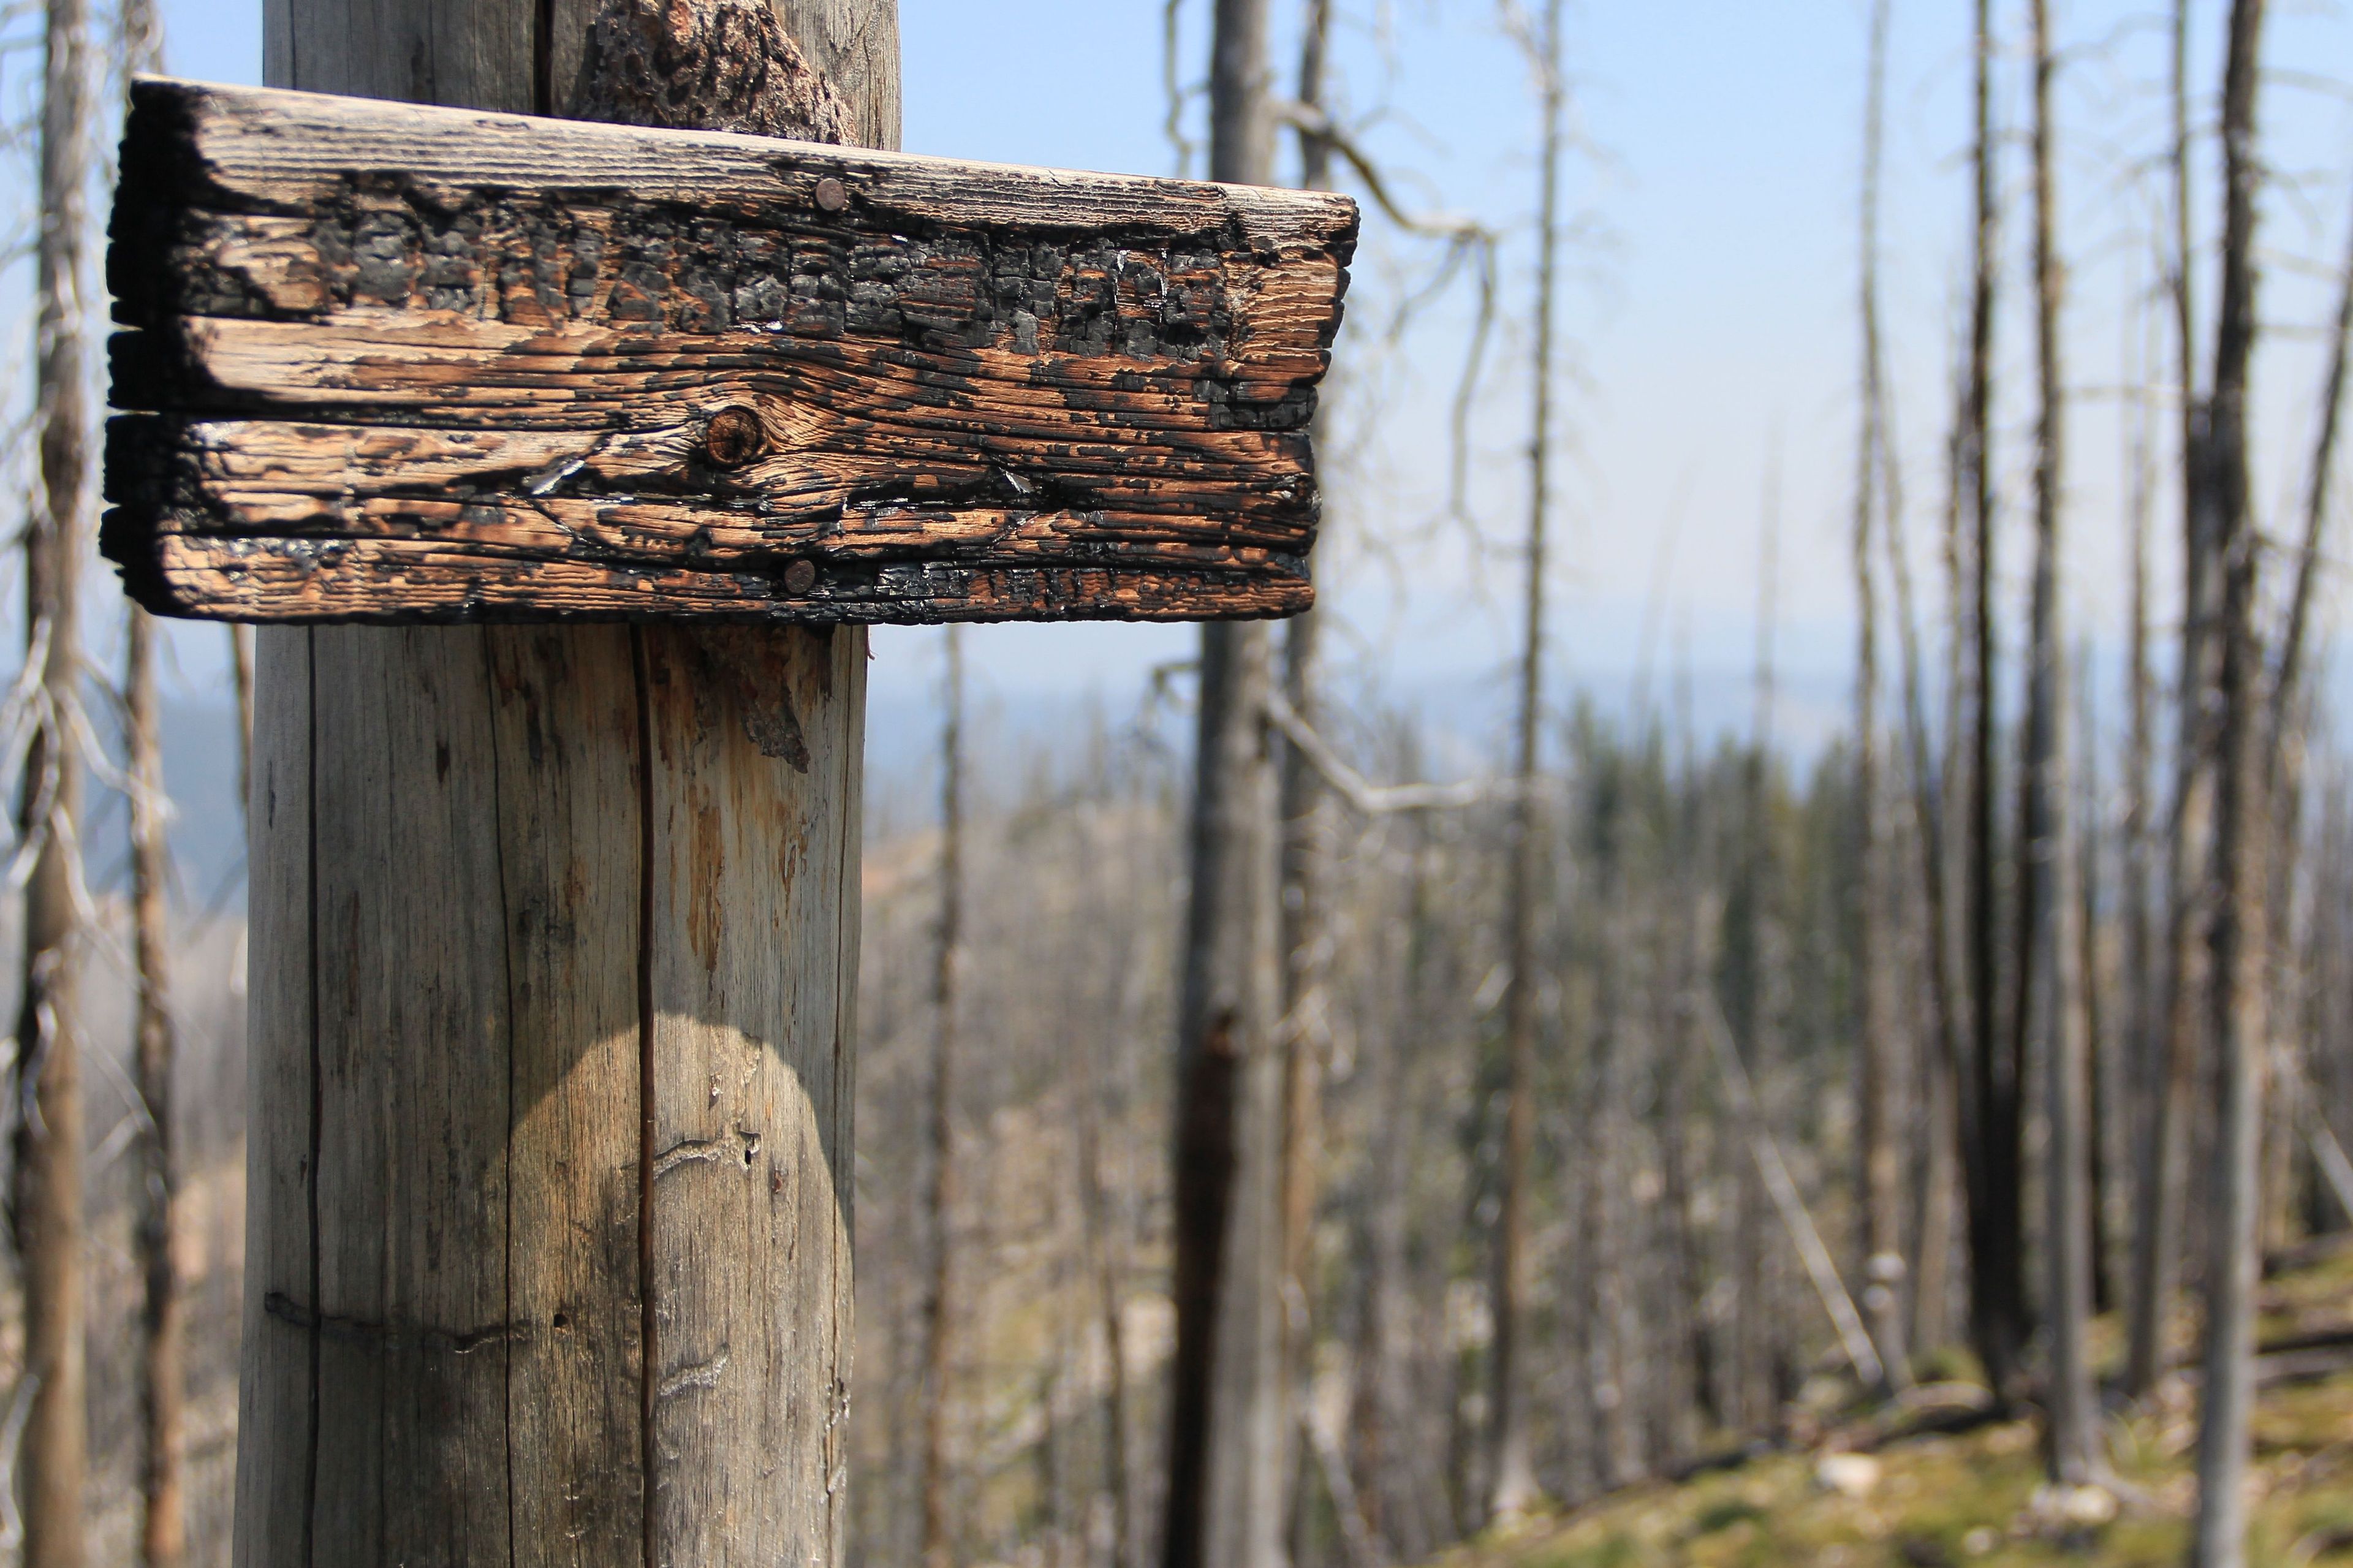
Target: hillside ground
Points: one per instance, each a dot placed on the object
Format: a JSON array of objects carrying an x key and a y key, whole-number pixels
[{"x": 1977, "y": 1497}]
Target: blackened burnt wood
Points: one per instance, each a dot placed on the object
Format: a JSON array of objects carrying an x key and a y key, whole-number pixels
[{"x": 398, "y": 363}]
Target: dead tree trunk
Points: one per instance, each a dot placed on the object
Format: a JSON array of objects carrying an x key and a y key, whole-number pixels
[
  {"x": 554, "y": 945},
  {"x": 162, "y": 1377},
  {"x": 1601, "y": 1294},
  {"x": 2287, "y": 743},
  {"x": 1939, "y": 1164},
  {"x": 164, "y": 1534},
  {"x": 2164, "y": 1160},
  {"x": 1883, "y": 1199},
  {"x": 1102, "y": 1252},
  {"x": 1937, "y": 1198},
  {"x": 1751, "y": 952},
  {"x": 2238, "y": 990},
  {"x": 939, "y": 1304},
  {"x": 47, "y": 1200},
  {"x": 2138, "y": 1056},
  {"x": 1308, "y": 827},
  {"x": 1229, "y": 1416},
  {"x": 1997, "y": 1232},
  {"x": 2103, "y": 1143},
  {"x": 2048, "y": 985},
  {"x": 1511, "y": 1479}
]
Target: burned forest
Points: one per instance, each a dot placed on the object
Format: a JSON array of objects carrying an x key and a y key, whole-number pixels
[{"x": 1195, "y": 783}]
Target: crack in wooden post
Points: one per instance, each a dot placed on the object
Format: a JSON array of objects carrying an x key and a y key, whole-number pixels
[
  {"x": 393, "y": 1336},
  {"x": 648, "y": 1087}
]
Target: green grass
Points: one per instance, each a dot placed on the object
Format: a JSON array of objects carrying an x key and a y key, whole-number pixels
[{"x": 1977, "y": 1499}]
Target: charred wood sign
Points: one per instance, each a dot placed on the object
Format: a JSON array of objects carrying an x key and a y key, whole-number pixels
[{"x": 389, "y": 363}]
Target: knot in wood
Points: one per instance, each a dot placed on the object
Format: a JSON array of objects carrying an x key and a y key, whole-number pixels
[
  {"x": 733, "y": 438},
  {"x": 705, "y": 65}
]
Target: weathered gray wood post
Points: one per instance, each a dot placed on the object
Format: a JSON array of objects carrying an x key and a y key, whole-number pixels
[
  {"x": 548, "y": 1246},
  {"x": 554, "y": 926}
]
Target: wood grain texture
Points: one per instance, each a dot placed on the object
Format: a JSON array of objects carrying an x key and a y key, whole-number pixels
[
  {"x": 410, "y": 1110},
  {"x": 554, "y": 947},
  {"x": 461, "y": 946},
  {"x": 278, "y": 1404},
  {"x": 757, "y": 740},
  {"x": 678, "y": 355},
  {"x": 562, "y": 713},
  {"x": 420, "y": 51}
]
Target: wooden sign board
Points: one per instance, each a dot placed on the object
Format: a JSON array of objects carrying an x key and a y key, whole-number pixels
[{"x": 404, "y": 365}]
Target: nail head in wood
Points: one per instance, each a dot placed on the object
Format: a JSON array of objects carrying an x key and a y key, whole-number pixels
[
  {"x": 733, "y": 438},
  {"x": 800, "y": 576},
  {"x": 392, "y": 364}
]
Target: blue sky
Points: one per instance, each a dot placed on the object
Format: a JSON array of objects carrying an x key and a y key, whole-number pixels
[{"x": 1708, "y": 307}]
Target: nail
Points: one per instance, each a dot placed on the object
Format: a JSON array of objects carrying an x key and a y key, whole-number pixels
[
  {"x": 830, "y": 195},
  {"x": 800, "y": 576},
  {"x": 733, "y": 438}
]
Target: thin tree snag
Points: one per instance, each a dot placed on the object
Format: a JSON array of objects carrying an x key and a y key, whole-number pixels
[
  {"x": 1229, "y": 1428},
  {"x": 1512, "y": 1485},
  {"x": 162, "y": 1223},
  {"x": 406, "y": 364},
  {"x": 2235, "y": 1001},
  {"x": 47, "y": 1166}
]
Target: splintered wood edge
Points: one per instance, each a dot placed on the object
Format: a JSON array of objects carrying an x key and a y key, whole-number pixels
[{"x": 193, "y": 542}]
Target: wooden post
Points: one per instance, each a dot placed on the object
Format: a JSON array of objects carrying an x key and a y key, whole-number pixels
[
  {"x": 554, "y": 925},
  {"x": 554, "y": 947}
]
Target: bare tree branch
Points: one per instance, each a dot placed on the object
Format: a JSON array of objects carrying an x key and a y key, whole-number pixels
[{"x": 1369, "y": 799}]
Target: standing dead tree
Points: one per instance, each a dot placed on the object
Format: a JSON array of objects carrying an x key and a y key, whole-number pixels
[
  {"x": 1228, "y": 1420},
  {"x": 1994, "y": 1119},
  {"x": 2238, "y": 992},
  {"x": 1309, "y": 825},
  {"x": 1940, "y": 1163},
  {"x": 2164, "y": 1154},
  {"x": 163, "y": 1533},
  {"x": 45, "y": 1099},
  {"x": 2136, "y": 1056},
  {"x": 2049, "y": 988},
  {"x": 1882, "y": 1181},
  {"x": 2286, "y": 747},
  {"x": 1512, "y": 1481},
  {"x": 1104, "y": 1258},
  {"x": 939, "y": 1302},
  {"x": 1752, "y": 949}
]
